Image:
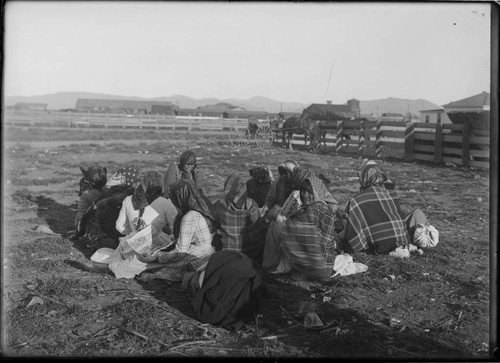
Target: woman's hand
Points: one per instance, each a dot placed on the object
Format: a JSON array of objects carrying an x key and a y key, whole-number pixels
[
  {"x": 281, "y": 218},
  {"x": 146, "y": 257}
]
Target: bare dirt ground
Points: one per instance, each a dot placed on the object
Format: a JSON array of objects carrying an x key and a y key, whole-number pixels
[{"x": 434, "y": 306}]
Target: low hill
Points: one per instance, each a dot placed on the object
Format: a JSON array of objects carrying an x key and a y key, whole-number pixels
[{"x": 63, "y": 100}]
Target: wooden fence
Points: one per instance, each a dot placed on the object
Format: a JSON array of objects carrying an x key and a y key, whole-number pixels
[
  {"x": 462, "y": 144},
  {"x": 65, "y": 119}
]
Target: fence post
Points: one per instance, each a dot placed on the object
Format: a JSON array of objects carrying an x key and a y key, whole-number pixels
[
  {"x": 438, "y": 145},
  {"x": 340, "y": 132},
  {"x": 378, "y": 139},
  {"x": 466, "y": 143},
  {"x": 361, "y": 137},
  {"x": 409, "y": 141}
]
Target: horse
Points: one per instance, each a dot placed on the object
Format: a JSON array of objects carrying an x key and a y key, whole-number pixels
[
  {"x": 325, "y": 126},
  {"x": 301, "y": 125}
]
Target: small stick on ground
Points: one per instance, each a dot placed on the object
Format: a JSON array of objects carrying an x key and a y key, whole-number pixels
[{"x": 193, "y": 342}]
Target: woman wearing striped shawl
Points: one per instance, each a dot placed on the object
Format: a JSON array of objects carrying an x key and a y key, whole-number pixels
[
  {"x": 239, "y": 216},
  {"x": 308, "y": 236},
  {"x": 375, "y": 222}
]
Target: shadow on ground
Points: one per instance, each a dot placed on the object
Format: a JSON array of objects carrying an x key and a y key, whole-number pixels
[
  {"x": 347, "y": 332},
  {"x": 61, "y": 219}
]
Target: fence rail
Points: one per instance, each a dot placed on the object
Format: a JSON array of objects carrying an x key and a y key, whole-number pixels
[
  {"x": 461, "y": 144},
  {"x": 64, "y": 119}
]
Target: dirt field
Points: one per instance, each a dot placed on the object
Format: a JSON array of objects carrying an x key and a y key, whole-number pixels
[{"x": 434, "y": 306}]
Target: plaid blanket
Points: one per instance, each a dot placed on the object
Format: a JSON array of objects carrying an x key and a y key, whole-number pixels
[
  {"x": 374, "y": 222},
  {"x": 238, "y": 227},
  {"x": 309, "y": 240}
]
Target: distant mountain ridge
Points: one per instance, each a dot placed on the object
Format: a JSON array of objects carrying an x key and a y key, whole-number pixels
[{"x": 64, "y": 100}]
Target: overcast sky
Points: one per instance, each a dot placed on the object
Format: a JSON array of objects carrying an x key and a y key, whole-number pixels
[{"x": 285, "y": 51}]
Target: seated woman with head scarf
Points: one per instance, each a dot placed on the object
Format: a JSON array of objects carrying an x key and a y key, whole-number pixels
[
  {"x": 287, "y": 201},
  {"x": 194, "y": 228},
  {"x": 185, "y": 169},
  {"x": 280, "y": 189},
  {"x": 91, "y": 187},
  {"x": 147, "y": 206},
  {"x": 238, "y": 217},
  {"x": 375, "y": 222},
  {"x": 308, "y": 236},
  {"x": 259, "y": 184},
  {"x": 145, "y": 219},
  {"x": 100, "y": 218}
]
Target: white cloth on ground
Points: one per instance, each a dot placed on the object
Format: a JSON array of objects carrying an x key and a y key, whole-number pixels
[{"x": 344, "y": 266}]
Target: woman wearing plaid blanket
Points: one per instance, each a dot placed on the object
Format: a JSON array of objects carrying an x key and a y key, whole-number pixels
[
  {"x": 375, "y": 221},
  {"x": 308, "y": 236},
  {"x": 240, "y": 226}
]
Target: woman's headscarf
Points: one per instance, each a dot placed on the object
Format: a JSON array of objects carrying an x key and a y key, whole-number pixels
[
  {"x": 185, "y": 197},
  {"x": 371, "y": 175},
  {"x": 95, "y": 175},
  {"x": 298, "y": 176},
  {"x": 150, "y": 188},
  {"x": 284, "y": 186},
  {"x": 188, "y": 158},
  {"x": 125, "y": 176},
  {"x": 235, "y": 191},
  {"x": 261, "y": 174},
  {"x": 317, "y": 188}
]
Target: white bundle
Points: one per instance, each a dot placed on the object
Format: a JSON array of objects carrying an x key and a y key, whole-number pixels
[{"x": 425, "y": 236}]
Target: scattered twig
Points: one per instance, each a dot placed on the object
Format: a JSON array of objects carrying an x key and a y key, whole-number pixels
[
  {"x": 51, "y": 299},
  {"x": 235, "y": 349},
  {"x": 99, "y": 332},
  {"x": 193, "y": 342},
  {"x": 270, "y": 337},
  {"x": 113, "y": 290},
  {"x": 405, "y": 351},
  {"x": 18, "y": 345},
  {"x": 136, "y": 334}
]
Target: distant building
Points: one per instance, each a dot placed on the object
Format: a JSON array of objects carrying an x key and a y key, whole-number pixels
[
  {"x": 30, "y": 106},
  {"x": 393, "y": 116},
  {"x": 119, "y": 106},
  {"x": 162, "y": 109},
  {"x": 437, "y": 116},
  {"x": 476, "y": 103},
  {"x": 472, "y": 109},
  {"x": 331, "y": 112},
  {"x": 221, "y": 109}
]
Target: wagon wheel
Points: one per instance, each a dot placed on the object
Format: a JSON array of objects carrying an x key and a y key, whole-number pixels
[
  {"x": 239, "y": 137},
  {"x": 264, "y": 137}
]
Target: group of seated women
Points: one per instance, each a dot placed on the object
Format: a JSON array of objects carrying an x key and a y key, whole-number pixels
[{"x": 291, "y": 223}]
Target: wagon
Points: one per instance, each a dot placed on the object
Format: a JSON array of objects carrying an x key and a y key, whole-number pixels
[{"x": 258, "y": 132}]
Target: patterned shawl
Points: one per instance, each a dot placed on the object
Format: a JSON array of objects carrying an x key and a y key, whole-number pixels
[
  {"x": 371, "y": 175},
  {"x": 261, "y": 174},
  {"x": 235, "y": 191},
  {"x": 125, "y": 176},
  {"x": 150, "y": 188},
  {"x": 238, "y": 216},
  {"x": 309, "y": 239},
  {"x": 374, "y": 222}
]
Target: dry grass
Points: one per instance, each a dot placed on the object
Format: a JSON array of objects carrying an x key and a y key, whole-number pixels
[{"x": 440, "y": 298}]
